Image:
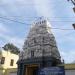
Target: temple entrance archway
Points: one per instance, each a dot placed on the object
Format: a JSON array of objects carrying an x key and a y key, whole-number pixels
[{"x": 31, "y": 69}]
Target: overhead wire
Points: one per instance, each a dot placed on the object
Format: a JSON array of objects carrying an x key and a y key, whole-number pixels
[
  {"x": 12, "y": 20},
  {"x": 40, "y": 17},
  {"x": 32, "y": 3},
  {"x": 37, "y": 17},
  {"x": 30, "y": 24}
]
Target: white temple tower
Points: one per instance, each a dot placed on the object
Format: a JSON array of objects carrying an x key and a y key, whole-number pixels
[
  {"x": 40, "y": 47},
  {"x": 40, "y": 41}
]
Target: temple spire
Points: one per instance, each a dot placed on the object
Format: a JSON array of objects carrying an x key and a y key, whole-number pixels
[{"x": 41, "y": 21}]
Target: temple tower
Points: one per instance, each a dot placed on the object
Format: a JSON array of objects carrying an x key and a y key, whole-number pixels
[{"x": 39, "y": 50}]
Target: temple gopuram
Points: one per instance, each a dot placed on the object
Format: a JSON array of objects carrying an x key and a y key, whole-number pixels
[{"x": 40, "y": 49}]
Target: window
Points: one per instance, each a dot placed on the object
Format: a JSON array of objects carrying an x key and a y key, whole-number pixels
[
  {"x": 2, "y": 60},
  {"x": 43, "y": 39},
  {"x": 32, "y": 53},
  {"x": 12, "y": 62},
  {"x": 34, "y": 40},
  {"x": 44, "y": 21},
  {"x": 40, "y": 22}
]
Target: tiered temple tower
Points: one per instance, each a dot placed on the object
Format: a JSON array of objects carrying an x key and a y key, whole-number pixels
[{"x": 39, "y": 50}]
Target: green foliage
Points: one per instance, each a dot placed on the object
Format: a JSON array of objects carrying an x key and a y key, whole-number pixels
[{"x": 12, "y": 48}]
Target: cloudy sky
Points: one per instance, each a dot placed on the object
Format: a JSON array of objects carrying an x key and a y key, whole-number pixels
[{"x": 16, "y": 17}]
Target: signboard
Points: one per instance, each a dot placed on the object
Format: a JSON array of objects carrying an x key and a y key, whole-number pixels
[{"x": 52, "y": 71}]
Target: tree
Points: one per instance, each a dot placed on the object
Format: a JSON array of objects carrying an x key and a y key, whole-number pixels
[
  {"x": 73, "y": 2},
  {"x": 12, "y": 48}
]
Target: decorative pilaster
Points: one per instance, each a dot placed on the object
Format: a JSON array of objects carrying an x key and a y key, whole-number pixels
[{"x": 20, "y": 69}]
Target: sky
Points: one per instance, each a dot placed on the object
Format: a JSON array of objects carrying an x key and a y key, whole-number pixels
[{"x": 17, "y": 16}]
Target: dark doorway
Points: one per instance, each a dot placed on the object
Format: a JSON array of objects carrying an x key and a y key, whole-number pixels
[
  {"x": 32, "y": 70},
  {"x": 35, "y": 71},
  {"x": 54, "y": 63}
]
